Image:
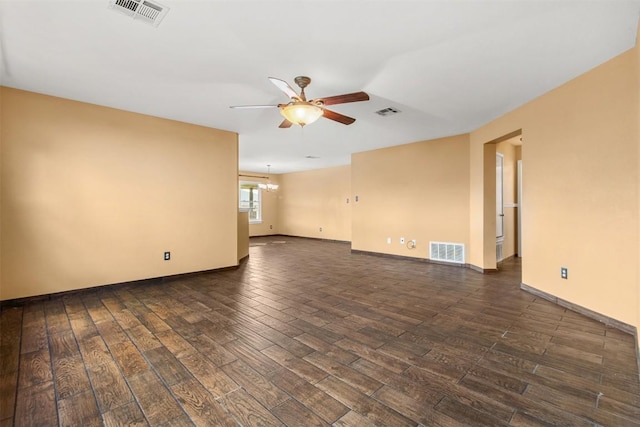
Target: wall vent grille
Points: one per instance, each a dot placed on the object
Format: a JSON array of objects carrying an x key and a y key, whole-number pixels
[
  {"x": 447, "y": 252},
  {"x": 144, "y": 10},
  {"x": 499, "y": 255}
]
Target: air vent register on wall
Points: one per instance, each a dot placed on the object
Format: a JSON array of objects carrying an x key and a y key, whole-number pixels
[
  {"x": 447, "y": 252},
  {"x": 150, "y": 12}
]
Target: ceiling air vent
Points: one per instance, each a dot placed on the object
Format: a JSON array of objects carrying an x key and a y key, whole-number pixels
[
  {"x": 147, "y": 11},
  {"x": 387, "y": 111}
]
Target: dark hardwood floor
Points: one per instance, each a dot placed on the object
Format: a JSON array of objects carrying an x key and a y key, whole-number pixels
[{"x": 305, "y": 333}]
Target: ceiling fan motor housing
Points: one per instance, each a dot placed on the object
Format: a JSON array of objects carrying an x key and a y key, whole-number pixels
[{"x": 302, "y": 81}]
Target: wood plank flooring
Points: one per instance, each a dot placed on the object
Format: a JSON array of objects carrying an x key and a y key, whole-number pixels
[{"x": 305, "y": 333}]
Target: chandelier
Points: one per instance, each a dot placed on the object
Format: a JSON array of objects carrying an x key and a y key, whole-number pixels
[{"x": 268, "y": 185}]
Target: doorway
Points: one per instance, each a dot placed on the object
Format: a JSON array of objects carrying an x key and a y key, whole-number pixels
[{"x": 504, "y": 155}]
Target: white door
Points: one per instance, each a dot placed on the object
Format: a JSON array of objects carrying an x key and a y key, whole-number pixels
[{"x": 499, "y": 196}]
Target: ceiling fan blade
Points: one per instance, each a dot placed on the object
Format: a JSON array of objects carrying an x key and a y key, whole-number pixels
[
  {"x": 343, "y": 99},
  {"x": 253, "y": 106},
  {"x": 337, "y": 117},
  {"x": 285, "y": 124},
  {"x": 284, "y": 86}
]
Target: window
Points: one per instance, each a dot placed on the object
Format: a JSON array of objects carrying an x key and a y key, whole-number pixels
[{"x": 250, "y": 201}]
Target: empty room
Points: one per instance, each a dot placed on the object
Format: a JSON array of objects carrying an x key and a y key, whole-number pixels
[{"x": 319, "y": 213}]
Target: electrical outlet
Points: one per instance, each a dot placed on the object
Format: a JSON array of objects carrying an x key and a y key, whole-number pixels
[
  {"x": 402, "y": 240},
  {"x": 271, "y": 227},
  {"x": 347, "y": 200},
  {"x": 388, "y": 240},
  {"x": 320, "y": 229},
  {"x": 413, "y": 243},
  {"x": 356, "y": 198},
  {"x": 564, "y": 273},
  {"x": 167, "y": 256}
]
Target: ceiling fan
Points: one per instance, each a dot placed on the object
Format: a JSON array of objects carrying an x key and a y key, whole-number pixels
[{"x": 302, "y": 112}]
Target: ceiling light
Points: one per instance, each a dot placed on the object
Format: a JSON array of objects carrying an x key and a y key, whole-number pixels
[
  {"x": 268, "y": 186},
  {"x": 301, "y": 113}
]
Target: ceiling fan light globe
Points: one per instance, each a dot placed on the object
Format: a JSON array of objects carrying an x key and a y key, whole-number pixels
[{"x": 301, "y": 113}]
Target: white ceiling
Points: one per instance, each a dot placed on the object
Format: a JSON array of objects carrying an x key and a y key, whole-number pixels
[{"x": 449, "y": 66}]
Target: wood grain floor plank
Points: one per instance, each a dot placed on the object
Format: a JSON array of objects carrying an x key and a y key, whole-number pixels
[
  {"x": 534, "y": 408},
  {"x": 307, "y": 332},
  {"x": 391, "y": 363},
  {"x": 154, "y": 323},
  {"x": 79, "y": 410},
  {"x": 466, "y": 414},
  {"x": 252, "y": 357},
  {"x": 35, "y": 368},
  {"x": 201, "y": 406},
  {"x": 125, "y": 415},
  {"x": 284, "y": 327},
  {"x": 355, "y": 379},
  {"x": 109, "y": 386},
  {"x": 157, "y": 403},
  {"x": 143, "y": 338},
  {"x": 210, "y": 376},
  {"x": 263, "y": 390},
  {"x": 70, "y": 377},
  {"x": 399, "y": 382},
  {"x": 35, "y": 337},
  {"x": 419, "y": 411},
  {"x": 247, "y": 410},
  {"x": 294, "y": 413},
  {"x": 82, "y": 326},
  {"x": 56, "y": 316},
  {"x": 63, "y": 345},
  {"x": 36, "y": 406},
  {"x": 299, "y": 366},
  {"x": 111, "y": 332},
  {"x": 126, "y": 319},
  {"x": 250, "y": 337},
  {"x": 94, "y": 351},
  {"x": 363, "y": 404},
  {"x": 129, "y": 358},
  {"x": 353, "y": 419},
  {"x": 8, "y": 390},
  {"x": 316, "y": 400},
  {"x": 175, "y": 343},
  {"x": 329, "y": 350},
  {"x": 462, "y": 393},
  {"x": 214, "y": 351},
  {"x": 167, "y": 366}
]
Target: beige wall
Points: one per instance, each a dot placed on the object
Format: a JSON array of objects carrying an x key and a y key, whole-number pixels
[
  {"x": 637, "y": 73},
  {"x": 580, "y": 189},
  {"x": 243, "y": 235},
  {"x": 416, "y": 191},
  {"x": 270, "y": 221},
  {"x": 92, "y": 196},
  {"x": 316, "y": 199}
]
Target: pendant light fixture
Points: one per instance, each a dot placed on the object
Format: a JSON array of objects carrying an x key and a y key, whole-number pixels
[{"x": 268, "y": 186}]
